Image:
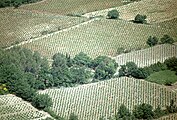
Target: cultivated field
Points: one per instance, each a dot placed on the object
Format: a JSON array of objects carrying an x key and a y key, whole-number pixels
[
  {"x": 156, "y": 10},
  {"x": 91, "y": 101},
  {"x": 148, "y": 56},
  {"x": 19, "y": 25},
  {"x": 64, "y": 7},
  {"x": 101, "y": 37},
  {"x": 14, "y": 108}
]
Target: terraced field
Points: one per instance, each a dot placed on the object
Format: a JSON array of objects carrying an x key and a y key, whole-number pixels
[
  {"x": 14, "y": 108},
  {"x": 148, "y": 56},
  {"x": 156, "y": 10},
  {"x": 19, "y": 25},
  {"x": 64, "y": 7},
  {"x": 91, "y": 101},
  {"x": 101, "y": 37}
]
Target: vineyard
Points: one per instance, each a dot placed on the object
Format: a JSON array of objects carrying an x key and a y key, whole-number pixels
[
  {"x": 91, "y": 101},
  {"x": 155, "y": 10},
  {"x": 19, "y": 25},
  {"x": 64, "y": 7},
  {"x": 14, "y": 108},
  {"x": 101, "y": 37},
  {"x": 148, "y": 56}
]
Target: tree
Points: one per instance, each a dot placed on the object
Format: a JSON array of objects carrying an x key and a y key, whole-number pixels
[
  {"x": 167, "y": 39},
  {"x": 82, "y": 59},
  {"x": 105, "y": 67},
  {"x": 171, "y": 63},
  {"x": 123, "y": 112},
  {"x": 41, "y": 101},
  {"x": 143, "y": 111},
  {"x": 128, "y": 69},
  {"x": 172, "y": 108},
  {"x": 140, "y": 19},
  {"x": 158, "y": 112},
  {"x": 152, "y": 40},
  {"x": 113, "y": 14}
]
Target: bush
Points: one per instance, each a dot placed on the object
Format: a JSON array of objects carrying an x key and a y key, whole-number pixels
[
  {"x": 105, "y": 67},
  {"x": 82, "y": 59},
  {"x": 140, "y": 19},
  {"x": 128, "y": 69},
  {"x": 113, "y": 14},
  {"x": 167, "y": 39},
  {"x": 143, "y": 111},
  {"x": 171, "y": 63},
  {"x": 152, "y": 41},
  {"x": 123, "y": 112},
  {"x": 158, "y": 112},
  {"x": 41, "y": 101}
]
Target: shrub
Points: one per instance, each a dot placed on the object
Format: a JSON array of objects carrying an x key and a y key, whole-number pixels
[
  {"x": 143, "y": 111},
  {"x": 171, "y": 63},
  {"x": 73, "y": 117},
  {"x": 82, "y": 59},
  {"x": 158, "y": 112},
  {"x": 123, "y": 112},
  {"x": 140, "y": 19},
  {"x": 113, "y": 14},
  {"x": 152, "y": 41},
  {"x": 41, "y": 101},
  {"x": 167, "y": 39},
  {"x": 128, "y": 69}
]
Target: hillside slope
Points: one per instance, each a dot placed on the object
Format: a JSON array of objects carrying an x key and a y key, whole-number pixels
[
  {"x": 156, "y": 10},
  {"x": 20, "y": 25},
  {"x": 94, "y": 100},
  {"x": 100, "y": 37},
  {"x": 148, "y": 56},
  {"x": 14, "y": 108}
]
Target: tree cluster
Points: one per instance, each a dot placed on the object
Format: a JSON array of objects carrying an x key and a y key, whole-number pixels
[
  {"x": 144, "y": 111},
  {"x": 166, "y": 39},
  {"x": 15, "y": 3}
]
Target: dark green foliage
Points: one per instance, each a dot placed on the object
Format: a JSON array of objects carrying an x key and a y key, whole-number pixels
[
  {"x": 113, "y": 14},
  {"x": 172, "y": 108},
  {"x": 104, "y": 66},
  {"x": 167, "y": 39},
  {"x": 171, "y": 63},
  {"x": 15, "y": 3},
  {"x": 152, "y": 40},
  {"x": 128, "y": 69},
  {"x": 140, "y": 19},
  {"x": 82, "y": 59},
  {"x": 158, "y": 112},
  {"x": 41, "y": 101},
  {"x": 123, "y": 112},
  {"x": 73, "y": 117},
  {"x": 80, "y": 75},
  {"x": 143, "y": 111}
]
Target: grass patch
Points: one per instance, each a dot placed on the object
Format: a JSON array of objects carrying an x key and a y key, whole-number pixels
[{"x": 166, "y": 77}]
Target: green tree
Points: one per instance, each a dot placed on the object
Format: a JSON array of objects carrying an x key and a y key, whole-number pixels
[
  {"x": 152, "y": 40},
  {"x": 171, "y": 63},
  {"x": 82, "y": 59},
  {"x": 113, "y": 14},
  {"x": 123, "y": 112},
  {"x": 41, "y": 101},
  {"x": 105, "y": 67},
  {"x": 143, "y": 111},
  {"x": 167, "y": 39},
  {"x": 140, "y": 19},
  {"x": 158, "y": 112},
  {"x": 128, "y": 69}
]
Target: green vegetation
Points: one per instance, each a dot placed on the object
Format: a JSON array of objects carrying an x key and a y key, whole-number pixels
[
  {"x": 3, "y": 89},
  {"x": 167, "y": 39},
  {"x": 140, "y": 19},
  {"x": 165, "y": 77},
  {"x": 113, "y": 14},
  {"x": 152, "y": 41},
  {"x": 15, "y": 3},
  {"x": 41, "y": 101}
]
